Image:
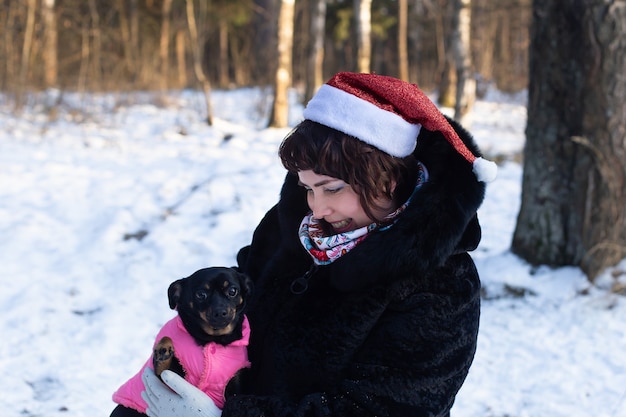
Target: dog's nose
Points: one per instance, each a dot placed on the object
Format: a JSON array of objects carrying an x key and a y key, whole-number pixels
[
  {"x": 220, "y": 317},
  {"x": 220, "y": 313}
]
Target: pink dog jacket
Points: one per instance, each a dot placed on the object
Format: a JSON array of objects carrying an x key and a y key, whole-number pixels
[{"x": 208, "y": 367}]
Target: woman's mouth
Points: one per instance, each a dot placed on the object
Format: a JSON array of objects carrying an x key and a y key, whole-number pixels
[{"x": 341, "y": 226}]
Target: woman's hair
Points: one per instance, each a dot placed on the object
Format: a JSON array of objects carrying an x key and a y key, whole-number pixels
[{"x": 370, "y": 172}]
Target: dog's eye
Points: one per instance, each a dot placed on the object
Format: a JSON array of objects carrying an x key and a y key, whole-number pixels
[
  {"x": 232, "y": 292},
  {"x": 201, "y": 295}
]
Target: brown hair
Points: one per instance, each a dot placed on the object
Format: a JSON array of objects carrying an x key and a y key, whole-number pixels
[{"x": 370, "y": 172}]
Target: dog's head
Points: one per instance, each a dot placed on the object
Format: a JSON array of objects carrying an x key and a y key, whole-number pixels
[{"x": 211, "y": 303}]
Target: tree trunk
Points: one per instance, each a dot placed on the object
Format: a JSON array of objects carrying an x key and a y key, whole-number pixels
[
  {"x": 26, "y": 51},
  {"x": 181, "y": 64},
  {"x": 314, "y": 70},
  {"x": 8, "y": 63},
  {"x": 135, "y": 45},
  {"x": 447, "y": 83},
  {"x": 240, "y": 57},
  {"x": 403, "y": 53},
  {"x": 50, "y": 44},
  {"x": 264, "y": 40},
  {"x": 484, "y": 34},
  {"x": 96, "y": 50},
  {"x": 363, "y": 24},
  {"x": 125, "y": 34},
  {"x": 197, "y": 60},
  {"x": 573, "y": 193},
  {"x": 440, "y": 30},
  {"x": 223, "y": 48},
  {"x": 164, "y": 43},
  {"x": 465, "y": 83},
  {"x": 504, "y": 47},
  {"x": 280, "y": 111},
  {"x": 83, "y": 71}
]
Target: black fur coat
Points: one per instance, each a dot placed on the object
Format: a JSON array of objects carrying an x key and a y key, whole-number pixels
[{"x": 390, "y": 328}]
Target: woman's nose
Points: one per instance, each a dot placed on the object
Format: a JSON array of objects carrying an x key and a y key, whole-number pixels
[{"x": 319, "y": 207}]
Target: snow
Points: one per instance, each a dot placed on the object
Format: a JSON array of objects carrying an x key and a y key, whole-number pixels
[{"x": 107, "y": 198}]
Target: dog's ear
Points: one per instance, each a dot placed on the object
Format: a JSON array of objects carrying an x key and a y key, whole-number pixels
[
  {"x": 246, "y": 284},
  {"x": 174, "y": 292}
]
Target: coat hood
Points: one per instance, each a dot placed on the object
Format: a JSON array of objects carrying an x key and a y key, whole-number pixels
[{"x": 439, "y": 222}]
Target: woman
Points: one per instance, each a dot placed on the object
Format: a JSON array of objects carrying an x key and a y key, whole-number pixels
[{"x": 367, "y": 302}]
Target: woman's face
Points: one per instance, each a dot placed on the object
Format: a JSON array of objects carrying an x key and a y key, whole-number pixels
[{"x": 334, "y": 201}]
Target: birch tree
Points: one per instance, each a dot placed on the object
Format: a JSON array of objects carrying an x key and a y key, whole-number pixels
[
  {"x": 314, "y": 73},
  {"x": 363, "y": 24},
  {"x": 196, "y": 46},
  {"x": 465, "y": 83},
  {"x": 282, "y": 82}
]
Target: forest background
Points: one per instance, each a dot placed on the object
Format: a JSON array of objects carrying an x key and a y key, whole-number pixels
[{"x": 104, "y": 45}]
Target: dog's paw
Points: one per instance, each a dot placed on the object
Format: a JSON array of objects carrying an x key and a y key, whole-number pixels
[{"x": 163, "y": 355}]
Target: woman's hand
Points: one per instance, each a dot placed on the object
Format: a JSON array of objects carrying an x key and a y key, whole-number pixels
[{"x": 182, "y": 400}]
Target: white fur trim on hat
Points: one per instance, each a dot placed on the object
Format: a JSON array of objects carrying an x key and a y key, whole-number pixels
[{"x": 356, "y": 117}]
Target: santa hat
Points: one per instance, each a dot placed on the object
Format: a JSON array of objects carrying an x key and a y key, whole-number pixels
[{"x": 388, "y": 114}]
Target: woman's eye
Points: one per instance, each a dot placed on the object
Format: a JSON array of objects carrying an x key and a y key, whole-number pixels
[
  {"x": 201, "y": 295},
  {"x": 232, "y": 292},
  {"x": 333, "y": 190}
]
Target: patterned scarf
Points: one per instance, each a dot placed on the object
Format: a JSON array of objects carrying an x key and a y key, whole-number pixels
[{"x": 326, "y": 249}]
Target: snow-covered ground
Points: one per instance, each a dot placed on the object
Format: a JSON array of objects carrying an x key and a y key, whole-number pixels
[{"x": 107, "y": 199}]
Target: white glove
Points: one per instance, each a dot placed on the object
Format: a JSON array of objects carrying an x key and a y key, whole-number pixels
[{"x": 182, "y": 400}]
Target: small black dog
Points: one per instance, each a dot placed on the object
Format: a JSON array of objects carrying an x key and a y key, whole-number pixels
[{"x": 211, "y": 304}]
